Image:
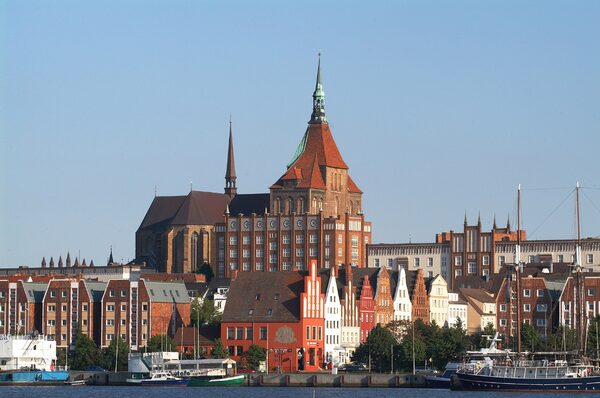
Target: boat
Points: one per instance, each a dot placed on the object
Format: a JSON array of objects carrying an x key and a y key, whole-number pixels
[
  {"x": 471, "y": 357},
  {"x": 159, "y": 379},
  {"x": 74, "y": 383},
  {"x": 29, "y": 360},
  {"x": 552, "y": 371},
  {"x": 212, "y": 381}
]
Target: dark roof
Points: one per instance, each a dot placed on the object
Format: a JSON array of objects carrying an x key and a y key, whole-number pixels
[
  {"x": 196, "y": 208},
  {"x": 206, "y": 336},
  {"x": 249, "y": 203},
  {"x": 199, "y": 288},
  {"x": 253, "y": 294}
]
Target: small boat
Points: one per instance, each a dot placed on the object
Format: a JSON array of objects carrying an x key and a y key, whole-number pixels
[
  {"x": 79, "y": 382},
  {"x": 159, "y": 379},
  {"x": 211, "y": 381}
]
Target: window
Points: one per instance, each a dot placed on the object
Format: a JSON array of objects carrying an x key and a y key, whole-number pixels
[
  {"x": 263, "y": 333},
  {"x": 458, "y": 260},
  {"x": 540, "y": 322},
  {"x": 110, "y": 336},
  {"x": 123, "y": 293},
  {"x": 527, "y": 307},
  {"x": 354, "y": 253},
  {"x": 63, "y": 308},
  {"x": 376, "y": 263},
  {"x": 270, "y": 312},
  {"x": 273, "y": 258},
  {"x": 51, "y": 308},
  {"x": 502, "y": 307},
  {"x": 286, "y": 239},
  {"x": 390, "y": 263},
  {"x": 84, "y": 307},
  {"x": 312, "y": 238},
  {"x": 111, "y": 293},
  {"x": 300, "y": 252},
  {"x": 286, "y": 252},
  {"x": 63, "y": 294},
  {"x": 502, "y": 322},
  {"x": 485, "y": 272},
  {"x": 417, "y": 262},
  {"x": 259, "y": 239},
  {"x": 51, "y": 322},
  {"x": 567, "y": 306},
  {"x": 591, "y": 291},
  {"x": 340, "y": 252},
  {"x": 110, "y": 322},
  {"x": 485, "y": 260},
  {"x": 430, "y": 262},
  {"x": 123, "y": 307},
  {"x": 526, "y": 293},
  {"x": 230, "y": 333},
  {"x": 259, "y": 253},
  {"x": 272, "y": 245},
  {"x": 340, "y": 238},
  {"x": 239, "y": 333},
  {"x": 110, "y": 307},
  {"x": 541, "y": 308},
  {"x": 233, "y": 253},
  {"x": 472, "y": 268},
  {"x": 327, "y": 240},
  {"x": 354, "y": 241},
  {"x": 502, "y": 260},
  {"x": 245, "y": 240},
  {"x": 233, "y": 240},
  {"x": 430, "y": 274},
  {"x": 144, "y": 307},
  {"x": 52, "y": 293},
  {"x": 64, "y": 322},
  {"x": 458, "y": 272},
  {"x": 299, "y": 239},
  {"x": 590, "y": 258},
  {"x": 63, "y": 336}
]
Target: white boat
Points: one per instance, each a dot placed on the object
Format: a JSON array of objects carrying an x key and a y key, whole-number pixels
[{"x": 159, "y": 378}]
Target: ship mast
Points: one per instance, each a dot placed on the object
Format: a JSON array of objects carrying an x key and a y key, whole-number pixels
[
  {"x": 581, "y": 311},
  {"x": 518, "y": 268}
]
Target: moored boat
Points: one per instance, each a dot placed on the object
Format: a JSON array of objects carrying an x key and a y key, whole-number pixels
[
  {"x": 211, "y": 381},
  {"x": 159, "y": 379}
]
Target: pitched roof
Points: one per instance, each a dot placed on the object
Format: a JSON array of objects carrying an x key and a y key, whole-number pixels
[
  {"x": 253, "y": 294},
  {"x": 35, "y": 291},
  {"x": 317, "y": 148},
  {"x": 249, "y": 203},
  {"x": 95, "y": 290},
  {"x": 477, "y": 294},
  {"x": 196, "y": 208},
  {"x": 167, "y": 292}
]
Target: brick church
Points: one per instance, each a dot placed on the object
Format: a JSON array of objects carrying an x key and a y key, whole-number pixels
[{"x": 313, "y": 211}]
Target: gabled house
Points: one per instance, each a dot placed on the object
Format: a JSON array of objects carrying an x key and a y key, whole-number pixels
[
  {"x": 350, "y": 314},
  {"x": 402, "y": 303},
  {"x": 334, "y": 353},
  {"x": 481, "y": 308},
  {"x": 437, "y": 291},
  {"x": 366, "y": 309},
  {"x": 384, "y": 304}
]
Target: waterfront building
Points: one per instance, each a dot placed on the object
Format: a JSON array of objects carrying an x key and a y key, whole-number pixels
[
  {"x": 334, "y": 353},
  {"x": 437, "y": 291},
  {"x": 457, "y": 310},
  {"x": 402, "y": 302}
]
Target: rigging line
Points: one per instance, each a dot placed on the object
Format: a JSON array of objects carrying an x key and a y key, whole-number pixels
[
  {"x": 552, "y": 212},
  {"x": 591, "y": 201},
  {"x": 590, "y": 187},
  {"x": 547, "y": 189}
]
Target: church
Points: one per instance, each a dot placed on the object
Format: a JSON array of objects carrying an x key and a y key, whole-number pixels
[{"x": 312, "y": 212}]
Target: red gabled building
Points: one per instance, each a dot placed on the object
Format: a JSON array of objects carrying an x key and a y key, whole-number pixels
[
  {"x": 366, "y": 309},
  {"x": 281, "y": 312}
]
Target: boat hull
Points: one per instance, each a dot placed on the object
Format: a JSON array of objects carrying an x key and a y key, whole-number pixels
[
  {"x": 481, "y": 382},
  {"x": 437, "y": 382},
  {"x": 146, "y": 383},
  {"x": 207, "y": 381},
  {"x": 33, "y": 377}
]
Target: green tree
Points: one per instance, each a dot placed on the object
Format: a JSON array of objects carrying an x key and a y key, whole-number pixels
[
  {"x": 218, "y": 351},
  {"x": 378, "y": 348},
  {"x": 254, "y": 356},
  {"x": 85, "y": 354},
  {"x": 203, "y": 312},
  {"x": 160, "y": 343},
  {"x": 480, "y": 339},
  {"x": 593, "y": 338},
  {"x": 530, "y": 339},
  {"x": 206, "y": 270},
  {"x": 117, "y": 345}
]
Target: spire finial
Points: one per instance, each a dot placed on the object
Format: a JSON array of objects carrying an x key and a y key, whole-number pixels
[
  {"x": 508, "y": 222},
  {"x": 479, "y": 218},
  {"x": 230, "y": 188},
  {"x": 495, "y": 226},
  {"x": 318, "y": 113},
  {"x": 191, "y": 186},
  {"x": 110, "y": 258},
  {"x": 465, "y": 217}
]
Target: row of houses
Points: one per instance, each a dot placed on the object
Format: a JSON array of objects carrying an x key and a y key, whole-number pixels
[{"x": 135, "y": 310}]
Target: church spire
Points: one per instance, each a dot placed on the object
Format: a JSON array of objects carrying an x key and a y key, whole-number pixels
[
  {"x": 110, "y": 258},
  {"x": 318, "y": 113},
  {"x": 230, "y": 188},
  {"x": 494, "y": 226}
]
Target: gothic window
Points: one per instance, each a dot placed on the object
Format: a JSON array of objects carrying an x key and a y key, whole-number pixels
[
  {"x": 320, "y": 204},
  {"x": 314, "y": 205},
  {"x": 277, "y": 206},
  {"x": 290, "y": 208},
  {"x": 301, "y": 206},
  {"x": 194, "y": 251}
]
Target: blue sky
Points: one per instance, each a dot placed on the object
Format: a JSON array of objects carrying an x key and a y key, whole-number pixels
[{"x": 438, "y": 107}]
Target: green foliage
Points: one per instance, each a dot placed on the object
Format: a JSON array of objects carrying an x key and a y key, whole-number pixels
[
  {"x": 206, "y": 270},
  {"x": 218, "y": 351},
  {"x": 254, "y": 356},
  {"x": 110, "y": 354},
  {"x": 160, "y": 343},
  {"x": 85, "y": 354},
  {"x": 203, "y": 312},
  {"x": 530, "y": 339},
  {"x": 377, "y": 348},
  {"x": 593, "y": 339},
  {"x": 480, "y": 340}
]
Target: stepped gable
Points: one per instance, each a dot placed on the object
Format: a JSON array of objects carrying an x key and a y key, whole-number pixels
[{"x": 261, "y": 291}]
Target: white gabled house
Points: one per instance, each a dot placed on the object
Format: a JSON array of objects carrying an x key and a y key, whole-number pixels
[
  {"x": 437, "y": 289},
  {"x": 334, "y": 352},
  {"x": 350, "y": 318},
  {"x": 402, "y": 303}
]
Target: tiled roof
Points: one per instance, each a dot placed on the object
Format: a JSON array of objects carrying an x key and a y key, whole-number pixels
[
  {"x": 35, "y": 291},
  {"x": 264, "y": 297},
  {"x": 249, "y": 203}
]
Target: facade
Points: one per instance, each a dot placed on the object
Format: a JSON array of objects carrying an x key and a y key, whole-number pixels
[
  {"x": 481, "y": 308},
  {"x": 432, "y": 258},
  {"x": 457, "y": 310},
  {"x": 402, "y": 303},
  {"x": 418, "y": 296},
  {"x": 437, "y": 289},
  {"x": 334, "y": 353},
  {"x": 350, "y": 314},
  {"x": 384, "y": 304},
  {"x": 366, "y": 309}
]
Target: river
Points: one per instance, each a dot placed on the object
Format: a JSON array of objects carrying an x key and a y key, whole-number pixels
[{"x": 253, "y": 392}]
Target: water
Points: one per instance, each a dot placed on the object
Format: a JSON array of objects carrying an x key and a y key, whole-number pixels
[{"x": 254, "y": 392}]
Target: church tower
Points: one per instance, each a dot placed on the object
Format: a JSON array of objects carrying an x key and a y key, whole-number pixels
[
  {"x": 317, "y": 180},
  {"x": 230, "y": 188}
]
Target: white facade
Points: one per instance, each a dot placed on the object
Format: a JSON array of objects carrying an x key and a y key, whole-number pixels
[
  {"x": 402, "y": 303},
  {"x": 333, "y": 323},
  {"x": 350, "y": 321},
  {"x": 457, "y": 309},
  {"x": 438, "y": 301},
  {"x": 432, "y": 258}
]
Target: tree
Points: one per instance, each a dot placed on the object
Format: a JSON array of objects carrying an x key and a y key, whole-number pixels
[
  {"x": 593, "y": 338},
  {"x": 254, "y": 356},
  {"x": 377, "y": 348},
  {"x": 530, "y": 339},
  {"x": 218, "y": 351},
  {"x": 160, "y": 343},
  {"x": 480, "y": 339},
  {"x": 110, "y": 354},
  {"x": 203, "y": 312},
  {"x": 206, "y": 270},
  {"x": 85, "y": 354}
]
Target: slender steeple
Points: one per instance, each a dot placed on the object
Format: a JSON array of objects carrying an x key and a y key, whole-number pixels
[
  {"x": 43, "y": 262},
  {"x": 110, "y": 258},
  {"x": 479, "y": 219},
  {"x": 465, "y": 222},
  {"x": 230, "y": 188},
  {"x": 318, "y": 113},
  {"x": 68, "y": 260},
  {"x": 495, "y": 226},
  {"x": 508, "y": 222}
]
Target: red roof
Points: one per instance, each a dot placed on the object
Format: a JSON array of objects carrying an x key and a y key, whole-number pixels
[{"x": 319, "y": 151}]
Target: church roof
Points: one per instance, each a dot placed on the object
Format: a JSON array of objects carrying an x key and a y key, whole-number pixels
[
  {"x": 249, "y": 203},
  {"x": 196, "y": 208}
]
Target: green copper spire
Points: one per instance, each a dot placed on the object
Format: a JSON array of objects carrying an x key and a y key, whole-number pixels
[{"x": 318, "y": 113}]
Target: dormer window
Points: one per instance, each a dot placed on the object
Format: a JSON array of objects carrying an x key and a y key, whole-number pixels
[
  {"x": 269, "y": 312},
  {"x": 276, "y": 296},
  {"x": 258, "y": 297}
]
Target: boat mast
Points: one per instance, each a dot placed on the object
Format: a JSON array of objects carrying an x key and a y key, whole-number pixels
[
  {"x": 579, "y": 301},
  {"x": 518, "y": 269}
]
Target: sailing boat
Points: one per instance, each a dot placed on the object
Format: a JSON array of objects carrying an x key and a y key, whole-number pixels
[{"x": 570, "y": 373}]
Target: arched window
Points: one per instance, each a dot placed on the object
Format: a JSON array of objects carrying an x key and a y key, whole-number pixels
[
  {"x": 290, "y": 208},
  {"x": 320, "y": 204},
  {"x": 277, "y": 206},
  {"x": 314, "y": 205},
  {"x": 301, "y": 206},
  {"x": 194, "y": 252}
]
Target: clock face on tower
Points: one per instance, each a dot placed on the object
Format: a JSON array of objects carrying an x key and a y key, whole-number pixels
[
  {"x": 233, "y": 224},
  {"x": 286, "y": 223},
  {"x": 259, "y": 224},
  {"x": 299, "y": 223},
  {"x": 246, "y": 224},
  {"x": 272, "y": 223},
  {"x": 313, "y": 223}
]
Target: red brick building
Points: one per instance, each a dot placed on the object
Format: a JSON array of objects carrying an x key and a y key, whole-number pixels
[
  {"x": 418, "y": 295},
  {"x": 366, "y": 309},
  {"x": 384, "y": 302}
]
